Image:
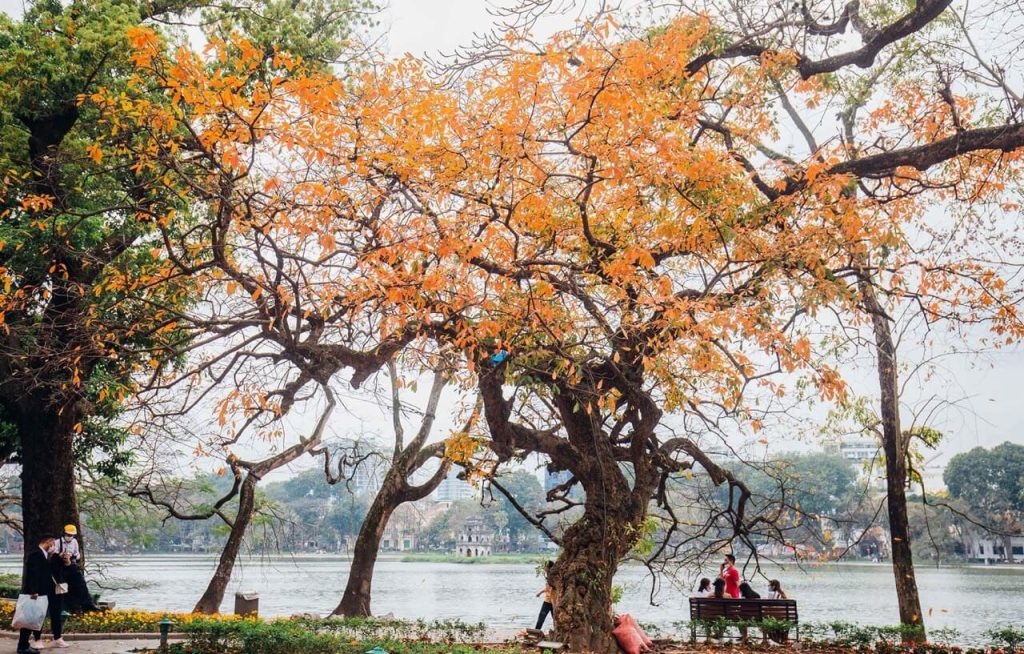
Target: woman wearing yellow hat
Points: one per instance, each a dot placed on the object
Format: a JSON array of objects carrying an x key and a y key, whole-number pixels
[{"x": 68, "y": 549}]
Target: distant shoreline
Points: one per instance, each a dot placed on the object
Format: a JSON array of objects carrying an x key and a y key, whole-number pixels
[{"x": 11, "y": 559}]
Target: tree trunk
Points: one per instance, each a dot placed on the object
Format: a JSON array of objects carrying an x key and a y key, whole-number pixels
[
  {"x": 355, "y": 602},
  {"x": 48, "y": 499},
  {"x": 213, "y": 597},
  {"x": 895, "y": 448},
  {"x": 581, "y": 578}
]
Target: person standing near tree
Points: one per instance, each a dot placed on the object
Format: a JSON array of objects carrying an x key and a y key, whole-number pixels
[
  {"x": 731, "y": 576},
  {"x": 55, "y": 599},
  {"x": 38, "y": 580},
  {"x": 69, "y": 551},
  {"x": 547, "y": 607}
]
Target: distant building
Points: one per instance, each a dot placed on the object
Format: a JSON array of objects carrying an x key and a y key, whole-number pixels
[
  {"x": 397, "y": 539},
  {"x": 859, "y": 450},
  {"x": 475, "y": 539},
  {"x": 866, "y": 456},
  {"x": 932, "y": 474},
  {"x": 987, "y": 549},
  {"x": 367, "y": 473},
  {"x": 453, "y": 489}
]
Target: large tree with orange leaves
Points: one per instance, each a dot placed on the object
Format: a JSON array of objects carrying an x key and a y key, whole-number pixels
[
  {"x": 648, "y": 249},
  {"x": 294, "y": 289},
  {"x": 612, "y": 211},
  {"x": 87, "y": 306}
]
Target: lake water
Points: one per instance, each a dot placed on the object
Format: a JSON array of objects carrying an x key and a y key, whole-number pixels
[{"x": 971, "y": 599}]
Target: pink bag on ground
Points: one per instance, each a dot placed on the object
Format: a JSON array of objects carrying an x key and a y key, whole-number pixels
[
  {"x": 647, "y": 641},
  {"x": 627, "y": 634}
]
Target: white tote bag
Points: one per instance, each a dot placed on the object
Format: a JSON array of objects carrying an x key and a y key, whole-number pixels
[{"x": 29, "y": 613}]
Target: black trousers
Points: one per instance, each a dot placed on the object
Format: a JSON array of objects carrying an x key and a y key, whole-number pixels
[
  {"x": 23, "y": 639},
  {"x": 545, "y": 609}
]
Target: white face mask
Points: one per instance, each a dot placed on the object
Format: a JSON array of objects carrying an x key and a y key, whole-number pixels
[{"x": 68, "y": 539}]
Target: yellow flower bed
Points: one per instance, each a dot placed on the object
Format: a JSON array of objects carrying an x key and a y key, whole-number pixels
[{"x": 128, "y": 621}]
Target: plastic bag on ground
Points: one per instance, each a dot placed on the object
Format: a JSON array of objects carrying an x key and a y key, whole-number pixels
[
  {"x": 628, "y": 637},
  {"x": 29, "y": 613},
  {"x": 643, "y": 637}
]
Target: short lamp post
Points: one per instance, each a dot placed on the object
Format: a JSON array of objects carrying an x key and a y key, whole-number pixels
[{"x": 165, "y": 629}]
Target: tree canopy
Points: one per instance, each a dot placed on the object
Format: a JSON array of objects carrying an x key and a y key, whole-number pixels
[
  {"x": 606, "y": 235},
  {"x": 991, "y": 482}
]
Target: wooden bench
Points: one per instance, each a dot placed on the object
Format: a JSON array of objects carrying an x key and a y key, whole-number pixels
[{"x": 745, "y": 610}]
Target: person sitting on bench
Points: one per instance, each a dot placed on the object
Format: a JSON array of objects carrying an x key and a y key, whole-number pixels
[
  {"x": 704, "y": 590},
  {"x": 775, "y": 590},
  {"x": 719, "y": 592}
]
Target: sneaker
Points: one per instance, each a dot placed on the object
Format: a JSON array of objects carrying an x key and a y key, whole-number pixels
[{"x": 60, "y": 642}]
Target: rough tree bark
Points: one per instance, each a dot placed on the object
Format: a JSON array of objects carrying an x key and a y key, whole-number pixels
[
  {"x": 45, "y": 414},
  {"x": 47, "y": 472},
  {"x": 395, "y": 491},
  {"x": 894, "y": 445},
  {"x": 592, "y": 547},
  {"x": 616, "y": 503},
  {"x": 214, "y": 595},
  {"x": 355, "y": 601}
]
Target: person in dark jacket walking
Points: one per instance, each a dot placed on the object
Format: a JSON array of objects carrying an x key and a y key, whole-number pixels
[
  {"x": 38, "y": 580},
  {"x": 55, "y": 601}
]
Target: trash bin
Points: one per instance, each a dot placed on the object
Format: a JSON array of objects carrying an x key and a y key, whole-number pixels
[{"x": 247, "y": 604}]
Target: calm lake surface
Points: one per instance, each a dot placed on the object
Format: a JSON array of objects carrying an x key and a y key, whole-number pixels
[{"x": 971, "y": 599}]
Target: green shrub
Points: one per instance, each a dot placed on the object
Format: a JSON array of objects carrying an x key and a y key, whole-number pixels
[
  {"x": 447, "y": 631},
  {"x": 257, "y": 637},
  {"x": 814, "y": 631},
  {"x": 327, "y": 636},
  {"x": 652, "y": 630},
  {"x": 1009, "y": 636},
  {"x": 945, "y": 636},
  {"x": 853, "y": 635},
  {"x": 775, "y": 628},
  {"x": 10, "y": 585},
  {"x": 722, "y": 627}
]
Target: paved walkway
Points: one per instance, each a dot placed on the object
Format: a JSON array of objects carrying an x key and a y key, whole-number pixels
[{"x": 10, "y": 645}]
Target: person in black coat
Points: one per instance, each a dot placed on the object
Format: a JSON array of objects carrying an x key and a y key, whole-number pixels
[
  {"x": 38, "y": 580},
  {"x": 55, "y": 602}
]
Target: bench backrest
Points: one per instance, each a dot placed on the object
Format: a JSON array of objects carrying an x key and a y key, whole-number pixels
[{"x": 709, "y": 608}]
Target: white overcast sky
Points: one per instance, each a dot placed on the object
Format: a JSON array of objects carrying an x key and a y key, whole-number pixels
[{"x": 990, "y": 389}]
